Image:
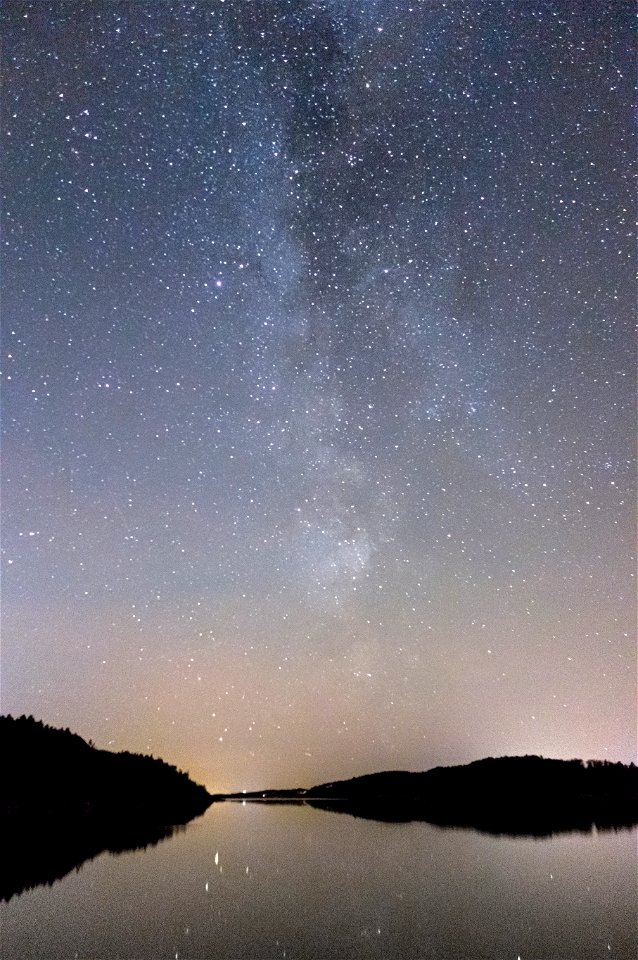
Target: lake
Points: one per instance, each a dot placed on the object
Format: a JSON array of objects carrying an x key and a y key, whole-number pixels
[{"x": 267, "y": 881}]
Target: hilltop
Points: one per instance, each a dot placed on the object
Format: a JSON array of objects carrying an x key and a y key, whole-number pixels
[
  {"x": 527, "y": 794},
  {"x": 514, "y": 795}
]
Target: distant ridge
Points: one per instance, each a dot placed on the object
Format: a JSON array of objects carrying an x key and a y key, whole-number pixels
[{"x": 528, "y": 795}]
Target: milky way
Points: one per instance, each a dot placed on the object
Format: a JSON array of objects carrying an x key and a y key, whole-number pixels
[{"x": 319, "y": 379}]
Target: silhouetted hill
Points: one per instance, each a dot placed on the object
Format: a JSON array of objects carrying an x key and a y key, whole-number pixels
[
  {"x": 515, "y": 795},
  {"x": 63, "y": 801}
]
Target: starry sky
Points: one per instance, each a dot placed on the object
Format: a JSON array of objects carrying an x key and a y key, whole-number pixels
[{"x": 318, "y": 381}]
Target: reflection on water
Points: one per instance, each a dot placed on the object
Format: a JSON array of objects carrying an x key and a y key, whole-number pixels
[
  {"x": 260, "y": 881},
  {"x": 512, "y": 822},
  {"x": 35, "y": 854}
]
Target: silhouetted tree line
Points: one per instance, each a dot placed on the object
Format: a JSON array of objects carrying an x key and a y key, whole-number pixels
[
  {"x": 63, "y": 801},
  {"x": 514, "y": 795},
  {"x": 49, "y": 767}
]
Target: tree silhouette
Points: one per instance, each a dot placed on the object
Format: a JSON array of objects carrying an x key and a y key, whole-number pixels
[{"x": 63, "y": 800}]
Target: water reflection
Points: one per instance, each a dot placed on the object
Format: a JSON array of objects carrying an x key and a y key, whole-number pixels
[
  {"x": 503, "y": 823},
  {"x": 37, "y": 854},
  {"x": 257, "y": 881}
]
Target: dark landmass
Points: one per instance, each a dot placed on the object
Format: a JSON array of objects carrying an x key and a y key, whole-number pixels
[
  {"x": 517, "y": 796},
  {"x": 63, "y": 801},
  {"x": 504, "y": 795}
]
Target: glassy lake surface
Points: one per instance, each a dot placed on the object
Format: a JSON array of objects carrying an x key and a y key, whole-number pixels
[{"x": 262, "y": 881}]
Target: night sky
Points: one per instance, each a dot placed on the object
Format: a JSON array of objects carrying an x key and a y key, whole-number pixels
[{"x": 319, "y": 378}]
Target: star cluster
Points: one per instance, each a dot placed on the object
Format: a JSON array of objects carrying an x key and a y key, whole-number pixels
[{"x": 319, "y": 380}]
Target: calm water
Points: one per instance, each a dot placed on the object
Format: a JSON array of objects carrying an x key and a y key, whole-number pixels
[{"x": 261, "y": 881}]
